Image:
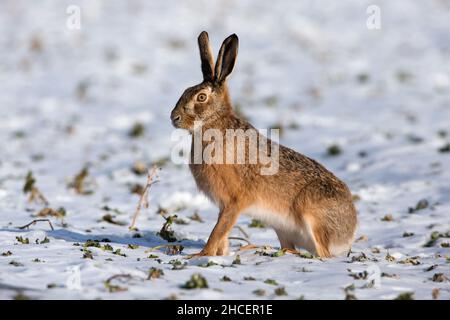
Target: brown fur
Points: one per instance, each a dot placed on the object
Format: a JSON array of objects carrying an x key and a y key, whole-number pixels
[{"x": 306, "y": 204}]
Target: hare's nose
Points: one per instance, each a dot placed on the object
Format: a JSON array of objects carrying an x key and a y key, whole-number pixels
[{"x": 175, "y": 120}]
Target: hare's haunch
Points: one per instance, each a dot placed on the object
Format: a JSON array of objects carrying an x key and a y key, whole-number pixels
[{"x": 305, "y": 203}]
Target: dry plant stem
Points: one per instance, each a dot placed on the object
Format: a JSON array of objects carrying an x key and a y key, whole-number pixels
[
  {"x": 37, "y": 194},
  {"x": 252, "y": 246},
  {"x": 122, "y": 277},
  {"x": 239, "y": 238},
  {"x": 159, "y": 247},
  {"x": 248, "y": 247},
  {"x": 143, "y": 201},
  {"x": 119, "y": 276},
  {"x": 34, "y": 222},
  {"x": 242, "y": 231}
]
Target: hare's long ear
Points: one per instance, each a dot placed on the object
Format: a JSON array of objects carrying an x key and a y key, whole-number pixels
[
  {"x": 226, "y": 58},
  {"x": 206, "y": 57}
]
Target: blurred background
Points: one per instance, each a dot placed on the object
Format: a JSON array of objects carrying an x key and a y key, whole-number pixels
[
  {"x": 312, "y": 61},
  {"x": 373, "y": 105}
]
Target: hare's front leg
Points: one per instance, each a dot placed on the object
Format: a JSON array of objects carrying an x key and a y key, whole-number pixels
[
  {"x": 218, "y": 240},
  {"x": 223, "y": 247}
]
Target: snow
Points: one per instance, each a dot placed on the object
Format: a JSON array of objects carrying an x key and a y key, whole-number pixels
[{"x": 312, "y": 67}]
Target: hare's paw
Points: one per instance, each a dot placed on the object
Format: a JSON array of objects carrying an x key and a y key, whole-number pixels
[
  {"x": 222, "y": 249},
  {"x": 203, "y": 253}
]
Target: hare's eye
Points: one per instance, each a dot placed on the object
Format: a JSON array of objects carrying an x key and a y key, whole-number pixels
[{"x": 201, "y": 97}]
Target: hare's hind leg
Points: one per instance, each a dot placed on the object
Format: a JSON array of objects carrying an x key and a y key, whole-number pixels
[
  {"x": 328, "y": 213},
  {"x": 332, "y": 237},
  {"x": 320, "y": 238}
]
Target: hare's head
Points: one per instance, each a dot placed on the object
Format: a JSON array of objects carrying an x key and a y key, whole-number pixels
[{"x": 209, "y": 100}]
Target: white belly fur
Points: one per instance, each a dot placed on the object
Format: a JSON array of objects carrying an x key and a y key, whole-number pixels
[
  {"x": 301, "y": 236},
  {"x": 271, "y": 218}
]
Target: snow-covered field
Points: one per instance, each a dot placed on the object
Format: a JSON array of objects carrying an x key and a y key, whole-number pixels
[{"x": 69, "y": 99}]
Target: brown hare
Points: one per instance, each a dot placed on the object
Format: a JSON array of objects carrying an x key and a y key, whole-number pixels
[{"x": 305, "y": 203}]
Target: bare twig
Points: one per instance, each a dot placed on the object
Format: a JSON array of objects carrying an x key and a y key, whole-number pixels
[
  {"x": 36, "y": 194},
  {"x": 239, "y": 238},
  {"x": 156, "y": 248},
  {"x": 34, "y": 222},
  {"x": 122, "y": 278},
  {"x": 252, "y": 246},
  {"x": 171, "y": 248},
  {"x": 242, "y": 231},
  {"x": 248, "y": 247},
  {"x": 143, "y": 201},
  {"x": 119, "y": 276},
  {"x": 30, "y": 187}
]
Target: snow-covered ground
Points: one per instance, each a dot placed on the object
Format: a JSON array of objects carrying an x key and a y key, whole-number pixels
[{"x": 69, "y": 99}]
